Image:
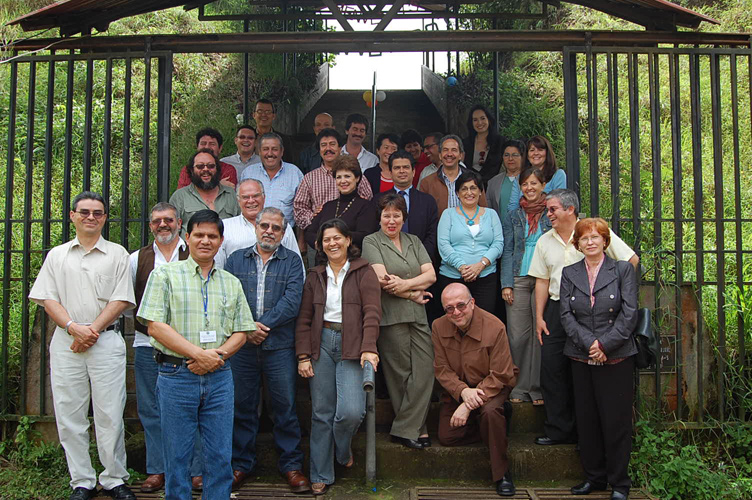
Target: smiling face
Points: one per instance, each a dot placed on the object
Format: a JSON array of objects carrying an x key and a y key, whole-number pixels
[
  {"x": 335, "y": 245},
  {"x": 592, "y": 244},
  {"x": 458, "y": 305},
  {"x": 532, "y": 188},
  {"x": 204, "y": 241},
  {"x": 209, "y": 142},
  {"x": 431, "y": 147},
  {"x": 165, "y": 226},
  {"x": 346, "y": 181},
  {"x": 402, "y": 173},
  {"x": 251, "y": 200},
  {"x": 512, "y": 160},
  {"x": 88, "y": 218},
  {"x": 269, "y": 232},
  {"x": 271, "y": 152},
  {"x": 391, "y": 221},
  {"x": 414, "y": 149},
  {"x": 385, "y": 151},
  {"x": 205, "y": 172},
  {"x": 469, "y": 194},
  {"x": 450, "y": 154},
  {"x": 536, "y": 156},
  {"x": 480, "y": 121},
  {"x": 245, "y": 141},
  {"x": 355, "y": 134},
  {"x": 264, "y": 115},
  {"x": 557, "y": 214},
  {"x": 329, "y": 150}
]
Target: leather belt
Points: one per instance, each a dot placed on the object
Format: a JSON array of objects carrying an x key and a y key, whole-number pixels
[
  {"x": 337, "y": 327},
  {"x": 111, "y": 328},
  {"x": 161, "y": 358}
]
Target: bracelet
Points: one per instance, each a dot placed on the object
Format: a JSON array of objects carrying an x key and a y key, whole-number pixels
[
  {"x": 68, "y": 324},
  {"x": 303, "y": 360}
]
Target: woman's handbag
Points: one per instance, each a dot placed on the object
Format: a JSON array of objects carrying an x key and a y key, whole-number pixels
[{"x": 646, "y": 339}]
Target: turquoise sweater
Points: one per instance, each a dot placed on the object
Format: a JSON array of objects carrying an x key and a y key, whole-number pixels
[{"x": 457, "y": 246}]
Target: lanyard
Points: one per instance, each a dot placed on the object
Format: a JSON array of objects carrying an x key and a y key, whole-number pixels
[{"x": 205, "y": 297}]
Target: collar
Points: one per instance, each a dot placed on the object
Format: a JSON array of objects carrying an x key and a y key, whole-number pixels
[
  {"x": 361, "y": 153},
  {"x": 253, "y": 250},
  {"x": 192, "y": 265},
  {"x": 407, "y": 190},
  {"x": 342, "y": 272},
  {"x": 443, "y": 175},
  {"x": 99, "y": 245},
  {"x": 182, "y": 245}
]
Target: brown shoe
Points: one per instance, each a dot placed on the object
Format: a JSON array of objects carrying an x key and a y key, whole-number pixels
[
  {"x": 297, "y": 481},
  {"x": 154, "y": 482},
  {"x": 238, "y": 478},
  {"x": 197, "y": 483}
]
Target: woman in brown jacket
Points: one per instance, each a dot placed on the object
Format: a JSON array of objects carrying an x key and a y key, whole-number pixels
[{"x": 335, "y": 335}]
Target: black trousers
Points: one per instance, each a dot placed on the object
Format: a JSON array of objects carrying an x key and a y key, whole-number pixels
[
  {"x": 483, "y": 290},
  {"x": 603, "y": 398},
  {"x": 556, "y": 378}
]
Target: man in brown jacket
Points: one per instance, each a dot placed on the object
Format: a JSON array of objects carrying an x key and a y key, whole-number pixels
[{"x": 473, "y": 363}]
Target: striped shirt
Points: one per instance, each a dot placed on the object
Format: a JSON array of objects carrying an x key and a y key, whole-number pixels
[
  {"x": 177, "y": 294},
  {"x": 317, "y": 188}
]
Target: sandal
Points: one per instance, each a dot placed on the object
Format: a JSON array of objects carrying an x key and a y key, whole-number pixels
[
  {"x": 319, "y": 488},
  {"x": 515, "y": 400},
  {"x": 538, "y": 402},
  {"x": 350, "y": 462}
]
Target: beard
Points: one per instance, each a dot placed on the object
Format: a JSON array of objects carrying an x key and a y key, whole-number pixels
[
  {"x": 268, "y": 247},
  {"x": 166, "y": 239},
  {"x": 209, "y": 185}
]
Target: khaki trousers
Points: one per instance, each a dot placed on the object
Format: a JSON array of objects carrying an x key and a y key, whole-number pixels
[{"x": 523, "y": 343}]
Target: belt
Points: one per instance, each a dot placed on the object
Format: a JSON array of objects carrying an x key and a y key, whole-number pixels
[
  {"x": 337, "y": 327},
  {"x": 111, "y": 328},
  {"x": 161, "y": 358}
]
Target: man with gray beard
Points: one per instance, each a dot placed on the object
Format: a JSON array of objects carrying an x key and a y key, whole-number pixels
[
  {"x": 167, "y": 247},
  {"x": 204, "y": 191},
  {"x": 272, "y": 280}
]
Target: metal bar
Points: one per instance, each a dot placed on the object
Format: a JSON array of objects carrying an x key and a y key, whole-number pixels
[
  {"x": 389, "y": 15},
  {"x": 571, "y": 121},
  {"x": 67, "y": 169},
  {"x": 654, "y": 86},
  {"x": 8, "y": 235},
  {"x": 164, "y": 123},
  {"x": 246, "y": 87},
  {"x": 634, "y": 139},
  {"x": 696, "y": 111},
  {"x": 612, "y": 70},
  {"x": 107, "y": 136},
  {"x": 715, "y": 101},
  {"x": 25, "y": 260},
  {"x": 676, "y": 155},
  {"x": 337, "y": 14},
  {"x": 366, "y": 16},
  {"x": 145, "y": 150},
  {"x": 97, "y": 56},
  {"x": 88, "y": 124},
  {"x": 738, "y": 226},
  {"x": 125, "y": 200},
  {"x": 496, "y": 88},
  {"x": 46, "y": 237},
  {"x": 591, "y": 72}
]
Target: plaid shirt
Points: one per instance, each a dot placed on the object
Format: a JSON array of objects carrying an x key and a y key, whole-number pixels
[
  {"x": 317, "y": 188},
  {"x": 175, "y": 295}
]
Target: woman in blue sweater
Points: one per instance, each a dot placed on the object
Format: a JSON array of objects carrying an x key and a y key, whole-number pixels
[
  {"x": 470, "y": 241},
  {"x": 540, "y": 156}
]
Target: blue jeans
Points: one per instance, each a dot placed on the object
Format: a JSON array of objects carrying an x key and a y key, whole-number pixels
[
  {"x": 339, "y": 405},
  {"x": 278, "y": 368},
  {"x": 146, "y": 371},
  {"x": 189, "y": 403}
]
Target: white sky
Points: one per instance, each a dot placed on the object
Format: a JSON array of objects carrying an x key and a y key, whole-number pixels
[{"x": 394, "y": 70}]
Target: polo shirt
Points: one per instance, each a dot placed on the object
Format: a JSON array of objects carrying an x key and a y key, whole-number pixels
[
  {"x": 239, "y": 164},
  {"x": 188, "y": 201},
  {"x": 280, "y": 189}
]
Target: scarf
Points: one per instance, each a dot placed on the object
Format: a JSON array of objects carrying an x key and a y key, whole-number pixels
[{"x": 533, "y": 210}]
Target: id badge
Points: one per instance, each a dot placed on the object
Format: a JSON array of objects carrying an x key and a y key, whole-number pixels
[{"x": 207, "y": 336}]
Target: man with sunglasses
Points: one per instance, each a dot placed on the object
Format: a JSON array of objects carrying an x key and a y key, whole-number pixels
[
  {"x": 473, "y": 363},
  {"x": 272, "y": 279},
  {"x": 205, "y": 190},
  {"x": 84, "y": 286}
]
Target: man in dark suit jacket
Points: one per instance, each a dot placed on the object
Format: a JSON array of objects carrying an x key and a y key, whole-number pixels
[{"x": 423, "y": 215}]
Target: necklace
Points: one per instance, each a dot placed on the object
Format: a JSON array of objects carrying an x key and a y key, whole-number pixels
[
  {"x": 470, "y": 220},
  {"x": 336, "y": 210}
]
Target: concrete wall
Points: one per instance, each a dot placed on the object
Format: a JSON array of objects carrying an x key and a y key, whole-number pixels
[
  {"x": 435, "y": 87},
  {"x": 309, "y": 101}
]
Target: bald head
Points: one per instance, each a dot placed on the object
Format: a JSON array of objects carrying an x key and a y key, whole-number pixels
[
  {"x": 322, "y": 121},
  {"x": 455, "y": 291}
]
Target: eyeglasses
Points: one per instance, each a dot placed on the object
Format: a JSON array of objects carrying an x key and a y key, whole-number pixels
[
  {"x": 244, "y": 137},
  {"x": 207, "y": 166},
  {"x": 97, "y": 214},
  {"x": 429, "y": 146},
  {"x": 265, "y": 227},
  {"x": 459, "y": 307},
  {"x": 264, "y": 112},
  {"x": 473, "y": 188},
  {"x": 158, "y": 221},
  {"x": 551, "y": 210},
  {"x": 594, "y": 238},
  {"x": 512, "y": 155}
]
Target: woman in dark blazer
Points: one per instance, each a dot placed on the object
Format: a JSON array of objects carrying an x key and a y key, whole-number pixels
[{"x": 599, "y": 314}]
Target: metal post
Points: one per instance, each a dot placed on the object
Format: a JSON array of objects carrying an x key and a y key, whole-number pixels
[
  {"x": 496, "y": 86},
  {"x": 369, "y": 382},
  {"x": 164, "y": 111},
  {"x": 246, "y": 68},
  {"x": 373, "y": 113},
  {"x": 571, "y": 121}
]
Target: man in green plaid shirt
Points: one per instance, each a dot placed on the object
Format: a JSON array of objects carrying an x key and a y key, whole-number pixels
[{"x": 197, "y": 316}]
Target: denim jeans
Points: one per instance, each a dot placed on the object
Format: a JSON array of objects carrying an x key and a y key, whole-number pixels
[
  {"x": 339, "y": 405},
  {"x": 189, "y": 403},
  {"x": 146, "y": 371},
  {"x": 278, "y": 369}
]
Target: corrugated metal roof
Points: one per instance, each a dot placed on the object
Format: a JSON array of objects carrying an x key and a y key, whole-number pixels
[{"x": 81, "y": 16}]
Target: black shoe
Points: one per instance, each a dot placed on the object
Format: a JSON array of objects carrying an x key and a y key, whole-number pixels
[
  {"x": 586, "y": 487},
  {"x": 505, "y": 487},
  {"x": 82, "y": 493},
  {"x": 425, "y": 442},
  {"x": 618, "y": 495},
  {"x": 545, "y": 440},
  {"x": 410, "y": 443},
  {"x": 120, "y": 492}
]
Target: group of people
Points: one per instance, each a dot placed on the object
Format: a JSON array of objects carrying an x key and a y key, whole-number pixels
[{"x": 408, "y": 252}]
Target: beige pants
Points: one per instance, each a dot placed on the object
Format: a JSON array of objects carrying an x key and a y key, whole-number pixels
[{"x": 526, "y": 351}]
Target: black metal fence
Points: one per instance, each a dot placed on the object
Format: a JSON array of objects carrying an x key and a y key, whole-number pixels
[{"x": 664, "y": 142}]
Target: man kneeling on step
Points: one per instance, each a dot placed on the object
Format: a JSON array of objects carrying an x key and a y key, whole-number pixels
[{"x": 473, "y": 363}]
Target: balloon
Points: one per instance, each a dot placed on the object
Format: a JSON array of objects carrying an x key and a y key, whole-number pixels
[
  {"x": 451, "y": 81},
  {"x": 367, "y": 96},
  {"x": 380, "y": 95},
  {"x": 369, "y": 104}
]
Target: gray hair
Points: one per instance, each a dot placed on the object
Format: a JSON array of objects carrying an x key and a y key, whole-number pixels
[
  {"x": 272, "y": 211},
  {"x": 567, "y": 198},
  {"x": 258, "y": 182},
  {"x": 164, "y": 206},
  {"x": 271, "y": 135},
  {"x": 453, "y": 138}
]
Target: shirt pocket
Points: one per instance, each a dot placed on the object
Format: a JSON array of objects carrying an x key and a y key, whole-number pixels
[{"x": 105, "y": 287}]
